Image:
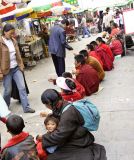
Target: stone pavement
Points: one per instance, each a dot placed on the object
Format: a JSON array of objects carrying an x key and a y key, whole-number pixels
[{"x": 115, "y": 102}]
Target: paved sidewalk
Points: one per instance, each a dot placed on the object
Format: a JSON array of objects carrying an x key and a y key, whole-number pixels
[{"x": 115, "y": 102}]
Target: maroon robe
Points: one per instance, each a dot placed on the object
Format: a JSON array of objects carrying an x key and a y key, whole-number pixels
[
  {"x": 105, "y": 58},
  {"x": 89, "y": 79}
]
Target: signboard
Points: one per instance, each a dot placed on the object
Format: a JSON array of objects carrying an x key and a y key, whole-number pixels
[
  {"x": 128, "y": 21},
  {"x": 72, "y": 2}
]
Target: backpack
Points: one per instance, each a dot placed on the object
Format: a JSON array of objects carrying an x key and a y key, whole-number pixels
[{"x": 89, "y": 113}]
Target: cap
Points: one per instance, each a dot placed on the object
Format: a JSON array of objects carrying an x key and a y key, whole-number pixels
[{"x": 61, "y": 82}]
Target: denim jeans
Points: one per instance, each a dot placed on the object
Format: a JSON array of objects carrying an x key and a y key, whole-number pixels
[
  {"x": 17, "y": 75},
  {"x": 86, "y": 31}
]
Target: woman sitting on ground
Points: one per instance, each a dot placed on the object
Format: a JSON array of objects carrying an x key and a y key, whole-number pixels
[
  {"x": 73, "y": 141},
  {"x": 105, "y": 58},
  {"x": 105, "y": 47},
  {"x": 92, "y": 53},
  {"x": 116, "y": 46},
  {"x": 86, "y": 75},
  {"x": 93, "y": 63}
]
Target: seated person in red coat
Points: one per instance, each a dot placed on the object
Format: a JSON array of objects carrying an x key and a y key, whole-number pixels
[
  {"x": 114, "y": 30},
  {"x": 51, "y": 124},
  {"x": 92, "y": 53},
  {"x": 116, "y": 46},
  {"x": 68, "y": 89},
  {"x": 79, "y": 87},
  {"x": 106, "y": 48},
  {"x": 107, "y": 63},
  {"x": 86, "y": 75},
  {"x": 21, "y": 145}
]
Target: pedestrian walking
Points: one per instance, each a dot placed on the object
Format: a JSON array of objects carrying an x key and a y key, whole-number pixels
[
  {"x": 11, "y": 66},
  {"x": 84, "y": 27}
]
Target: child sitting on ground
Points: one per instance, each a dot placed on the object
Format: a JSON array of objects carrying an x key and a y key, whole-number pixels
[
  {"x": 51, "y": 124},
  {"x": 21, "y": 145},
  {"x": 79, "y": 87},
  {"x": 93, "y": 62},
  {"x": 68, "y": 89},
  {"x": 86, "y": 75}
]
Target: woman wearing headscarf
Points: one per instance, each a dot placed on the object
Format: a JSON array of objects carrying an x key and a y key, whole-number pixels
[
  {"x": 11, "y": 66},
  {"x": 73, "y": 140}
]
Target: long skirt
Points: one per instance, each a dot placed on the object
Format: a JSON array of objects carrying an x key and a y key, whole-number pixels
[
  {"x": 92, "y": 152},
  {"x": 15, "y": 91}
]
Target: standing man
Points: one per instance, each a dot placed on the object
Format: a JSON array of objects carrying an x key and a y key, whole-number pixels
[
  {"x": 57, "y": 45},
  {"x": 109, "y": 18}
]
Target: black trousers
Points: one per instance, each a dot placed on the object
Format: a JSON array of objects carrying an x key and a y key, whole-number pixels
[{"x": 59, "y": 64}]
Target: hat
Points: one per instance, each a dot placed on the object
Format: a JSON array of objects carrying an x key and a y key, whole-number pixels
[{"x": 61, "y": 82}]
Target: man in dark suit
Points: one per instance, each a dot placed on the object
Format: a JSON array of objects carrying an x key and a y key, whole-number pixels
[{"x": 57, "y": 46}]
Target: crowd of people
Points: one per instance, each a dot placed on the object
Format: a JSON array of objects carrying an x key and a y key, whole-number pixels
[{"x": 66, "y": 137}]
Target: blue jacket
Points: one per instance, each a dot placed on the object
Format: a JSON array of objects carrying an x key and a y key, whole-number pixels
[{"x": 57, "y": 41}]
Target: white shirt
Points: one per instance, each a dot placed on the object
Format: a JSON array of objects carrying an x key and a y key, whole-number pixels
[
  {"x": 83, "y": 22},
  {"x": 117, "y": 20},
  {"x": 12, "y": 52},
  {"x": 121, "y": 18},
  {"x": 104, "y": 19},
  {"x": 76, "y": 23},
  {"x": 109, "y": 17}
]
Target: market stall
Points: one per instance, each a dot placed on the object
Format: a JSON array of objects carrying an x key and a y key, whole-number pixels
[{"x": 29, "y": 42}]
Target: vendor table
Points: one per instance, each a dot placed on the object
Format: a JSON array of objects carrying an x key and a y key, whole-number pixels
[{"x": 31, "y": 52}]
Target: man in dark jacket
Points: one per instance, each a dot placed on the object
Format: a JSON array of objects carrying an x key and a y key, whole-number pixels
[
  {"x": 21, "y": 146},
  {"x": 73, "y": 140},
  {"x": 57, "y": 45}
]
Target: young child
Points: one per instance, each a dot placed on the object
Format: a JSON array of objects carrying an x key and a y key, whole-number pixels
[
  {"x": 79, "y": 87},
  {"x": 68, "y": 89},
  {"x": 21, "y": 145},
  {"x": 86, "y": 75},
  {"x": 93, "y": 62},
  {"x": 71, "y": 89},
  {"x": 51, "y": 124}
]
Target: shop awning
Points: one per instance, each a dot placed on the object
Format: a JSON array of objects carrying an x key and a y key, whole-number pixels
[
  {"x": 44, "y": 5},
  {"x": 17, "y": 14},
  {"x": 6, "y": 9}
]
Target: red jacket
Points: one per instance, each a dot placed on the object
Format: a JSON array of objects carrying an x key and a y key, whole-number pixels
[
  {"x": 74, "y": 96},
  {"x": 107, "y": 63},
  {"x": 108, "y": 51},
  {"x": 88, "y": 77},
  {"x": 41, "y": 153},
  {"x": 95, "y": 55},
  {"x": 80, "y": 88},
  {"x": 116, "y": 47},
  {"x": 114, "y": 32}
]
